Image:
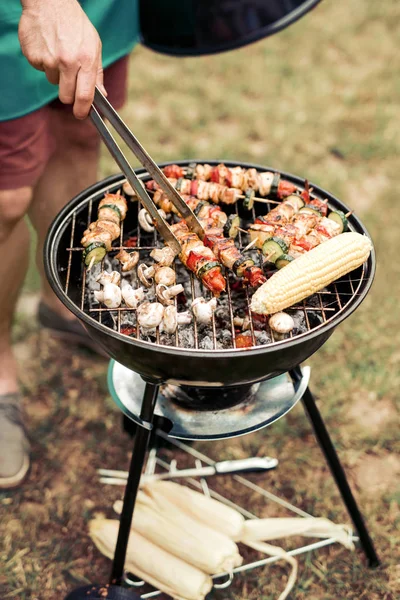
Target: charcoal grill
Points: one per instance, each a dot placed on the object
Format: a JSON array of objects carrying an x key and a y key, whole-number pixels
[
  {"x": 166, "y": 360},
  {"x": 210, "y": 362}
]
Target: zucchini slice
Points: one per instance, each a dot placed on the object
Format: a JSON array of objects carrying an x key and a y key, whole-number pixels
[
  {"x": 191, "y": 171},
  {"x": 273, "y": 248},
  {"x": 207, "y": 267},
  {"x": 241, "y": 265},
  {"x": 275, "y": 184},
  {"x": 96, "y": 251},
  {"x": 178, "y": 184},
  {"x": 283, "y": 260},
  {"x": 113, "y": 207},
  {"x": 311, "y": 210},
  {"x": 199, "y": 207},
  {"x": 248, "y": 201},
  {"x": 340, "y": 218},
  {"x": 231, "y": 226}
]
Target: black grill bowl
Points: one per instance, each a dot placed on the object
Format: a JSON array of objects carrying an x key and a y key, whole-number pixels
[{"x": 158, "y": 363}]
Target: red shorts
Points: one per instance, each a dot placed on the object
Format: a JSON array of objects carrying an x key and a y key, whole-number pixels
[{"x": 27, "y": 143}]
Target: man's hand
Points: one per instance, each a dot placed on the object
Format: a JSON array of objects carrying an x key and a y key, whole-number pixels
[{"x": 57, "y": 37}]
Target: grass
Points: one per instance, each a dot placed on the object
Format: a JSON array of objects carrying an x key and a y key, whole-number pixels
[{"x": 319, "y": 100}]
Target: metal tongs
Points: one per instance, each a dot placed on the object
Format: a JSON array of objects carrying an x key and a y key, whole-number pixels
[{"x": 102, "y": 105}]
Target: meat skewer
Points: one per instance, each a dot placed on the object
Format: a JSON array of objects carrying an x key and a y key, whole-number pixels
[
  {"x": 202, "y": 209},
  {"x": 265, "y": 182},
  {"x": 224, "y": 248},
  {"x": 100, "y": 234},
  {"x": 208, "y": 190},
  {"x": 231, "y": 257},
  {"x": 199, "y": 259},
  {"x": 283, "y": 240}
]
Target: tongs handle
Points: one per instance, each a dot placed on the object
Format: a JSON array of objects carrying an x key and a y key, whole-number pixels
[
  {"x": 136, "y": 184},
  {"x": 101, "y": 103}
]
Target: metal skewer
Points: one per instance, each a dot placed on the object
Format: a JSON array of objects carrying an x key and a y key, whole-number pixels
[{"x": 228, "y": 467}]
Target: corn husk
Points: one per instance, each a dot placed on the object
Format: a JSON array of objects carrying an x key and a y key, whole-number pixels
[
  {"x": 276, "y": 551},
  {"x": 214, "y": 514},
  {"x": 151, "y": 563},
  {"x": 166, "y": 525},
  {"x": 273, "y": 529}
]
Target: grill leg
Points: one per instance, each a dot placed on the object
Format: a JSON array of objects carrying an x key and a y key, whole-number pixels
[
  {"x": 338, "y": 473},
  {"x": 135, "y": 470}
]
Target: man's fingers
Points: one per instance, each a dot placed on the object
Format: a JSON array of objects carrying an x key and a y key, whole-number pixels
[
  {"x": 53, "y": 75},
  {"x": 67, "y": 88},
  {"x": 85, "y": 84},
  {"x": 99, "y": 79}
]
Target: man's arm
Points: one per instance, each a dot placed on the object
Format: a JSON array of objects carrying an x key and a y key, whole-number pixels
[{"x": 57, "y": 37}]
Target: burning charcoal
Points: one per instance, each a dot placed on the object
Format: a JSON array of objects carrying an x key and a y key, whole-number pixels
[{"x": 206, "y": 343}]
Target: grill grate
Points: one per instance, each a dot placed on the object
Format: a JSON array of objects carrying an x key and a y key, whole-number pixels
[{"x": 313, "y": 313}]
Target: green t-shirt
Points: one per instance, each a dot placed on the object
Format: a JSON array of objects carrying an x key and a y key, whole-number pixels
[{"x": 23, "y": 89}]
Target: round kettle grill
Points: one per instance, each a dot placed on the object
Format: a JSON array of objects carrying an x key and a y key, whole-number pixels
[{"x": 174, "y": 360}]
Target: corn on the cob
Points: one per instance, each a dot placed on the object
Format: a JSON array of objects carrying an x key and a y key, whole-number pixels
[
  {"x": 212, "y": 513},
  {"x": 151, "y": 563},
  {"x": 161, "y": 522},
  {"x": 311, "y": 272}
]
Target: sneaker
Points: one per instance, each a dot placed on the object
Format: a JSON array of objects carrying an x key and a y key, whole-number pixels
[
  {"x": 71, "y": 331},
  {"x": 14, "y": 445}
]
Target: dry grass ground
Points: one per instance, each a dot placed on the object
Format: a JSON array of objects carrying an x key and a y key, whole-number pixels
[{"x": 320, "y": 100}]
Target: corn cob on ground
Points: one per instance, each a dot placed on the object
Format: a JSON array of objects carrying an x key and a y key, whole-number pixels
[
  {"x": 151, "y": 563},
  {"x": 208, "y": 511},
  {"x": 311, "y": 272},
  {"x": 166, "y": 525}
]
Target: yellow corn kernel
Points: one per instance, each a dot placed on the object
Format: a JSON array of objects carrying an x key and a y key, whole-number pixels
[{"x": 311, "y": 272}]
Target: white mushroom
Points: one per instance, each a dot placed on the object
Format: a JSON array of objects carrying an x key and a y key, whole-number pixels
[
  {"x": 150, "y": 314},
  {"x": 146, "y": 274},
  {"x": 166, "y": 295},
  {"x": 165, "y": 275},
  {"x": 203, "y": 310},
  {"x": 110, "y": 295},
  {"x": 170, "y": 320},
  {"x": 281, "y": 325},
  {"x": 164, "y": 256},
  {"x": 128, "y": 260},
  {"x": 106, "y": 277},
  {"x": 131, "y": 297},
  {"x": 146, "y": 221}
]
